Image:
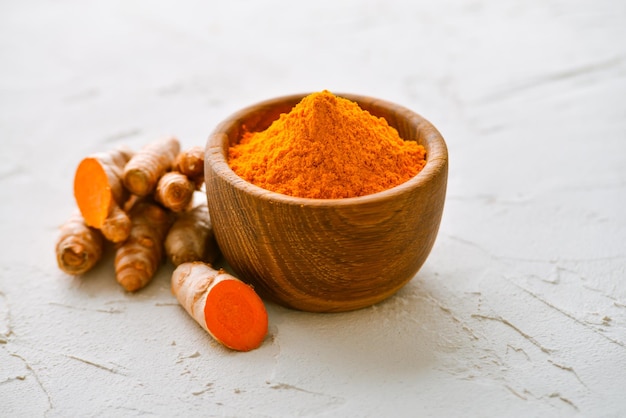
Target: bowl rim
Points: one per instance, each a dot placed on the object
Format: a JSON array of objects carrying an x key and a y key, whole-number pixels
[{"x": 436, "y": 160}]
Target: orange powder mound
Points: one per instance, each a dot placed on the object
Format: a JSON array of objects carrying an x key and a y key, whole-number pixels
[{"x": 326, "y": 147}]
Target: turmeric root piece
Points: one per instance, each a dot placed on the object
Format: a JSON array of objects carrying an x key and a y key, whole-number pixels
[
  {"x": 144, "y": 170},
  {"x": 131, "y": 202},
  {"x": 78, "y": 247},
  {"x": 98, "y": 186},
  {"x": 191, "y": 237},
  {"x": 190, "y": 162},
  {"x": 227, "y": 308},
  {"x": 139, "y": 257},
  {"x": 174, "y": 191},
  {"x": 116, "y": 227}
]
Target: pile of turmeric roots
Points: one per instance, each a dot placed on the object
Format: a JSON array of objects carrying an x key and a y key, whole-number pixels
[{"x": 143, "y": 203}]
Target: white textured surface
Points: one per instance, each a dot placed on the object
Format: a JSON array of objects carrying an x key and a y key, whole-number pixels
[{"x": 520, "y": 309}]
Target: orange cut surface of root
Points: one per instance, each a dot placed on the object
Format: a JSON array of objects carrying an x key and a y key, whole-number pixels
[
  {"x": 92, "y": 192},
  {"x": 235, "y": 315}
]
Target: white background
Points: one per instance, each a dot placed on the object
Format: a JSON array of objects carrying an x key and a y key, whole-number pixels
[{"x": 520, "y": 309}]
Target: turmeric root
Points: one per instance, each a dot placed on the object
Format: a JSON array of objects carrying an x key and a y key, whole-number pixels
[
  {"x": 138, "y": 258},
  {"x": 78, "y": 246},
  {"x": 190, "y": 162},
  {"x": 98, "y": 186},
  {"x": 227, "y": 308},
  {"x": 116, "y": 226},
  {"x": 174, "y": 190},
  {"x": 191, "y": 237},
  {"x": 143, "y": 171}
]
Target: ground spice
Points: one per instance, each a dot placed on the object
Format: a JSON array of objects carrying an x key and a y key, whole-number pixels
[{"x": 326, "y": 147}]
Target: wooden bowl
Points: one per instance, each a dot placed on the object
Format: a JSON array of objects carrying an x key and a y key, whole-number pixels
[{"x": 325, "y": 255}]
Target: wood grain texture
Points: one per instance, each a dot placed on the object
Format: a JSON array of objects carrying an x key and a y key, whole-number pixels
[{"x": 326, "y": 255}]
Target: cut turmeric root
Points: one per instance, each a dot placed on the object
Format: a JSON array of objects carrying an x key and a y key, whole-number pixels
[
  {"x": 190, "y": 162},
  {"x": 191, "y": 237},
  {"x": 174, "y": 191},
  {"x": 138, "y": 258},
  {"x": 98, "y": 186},
  {"x": 143, "y": 171},
  {"x": 227, "y": 308},
  {"x": 78, "y": 246}
]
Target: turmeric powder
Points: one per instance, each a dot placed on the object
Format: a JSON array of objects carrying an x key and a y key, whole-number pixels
[{"x": 326, "y": 147}]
